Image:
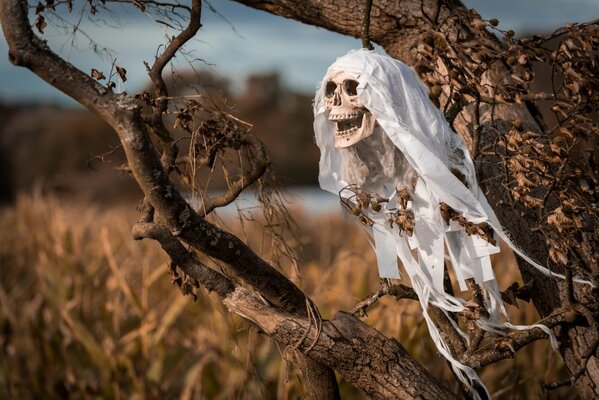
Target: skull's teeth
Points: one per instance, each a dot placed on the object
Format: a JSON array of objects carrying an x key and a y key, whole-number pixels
[
  {"x": 347, "y": 132},
  {"x": 348, "y": 126},
  {"x": 343, "y": 117}
]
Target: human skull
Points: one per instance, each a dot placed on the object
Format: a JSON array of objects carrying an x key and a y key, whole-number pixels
[{"x": 353, "y": 122}]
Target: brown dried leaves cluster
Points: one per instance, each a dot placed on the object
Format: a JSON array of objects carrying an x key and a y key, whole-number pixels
[
  {"x": 483, "y": 229},
  {"x": 361, "y": 201},
  {"x": 551, "y": 169}
]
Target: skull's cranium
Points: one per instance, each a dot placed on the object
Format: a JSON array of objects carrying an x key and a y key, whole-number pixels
[{"x": 353, "y": 122}]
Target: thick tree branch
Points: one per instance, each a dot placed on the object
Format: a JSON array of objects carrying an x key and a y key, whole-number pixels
[
  {"x": 320, "y": 381},
  {"x": 212, "y": 280},
  {"x": 366, "y": 358},
  {"x": 343, "y": 343},
  {"x": 124, "y": 115}
]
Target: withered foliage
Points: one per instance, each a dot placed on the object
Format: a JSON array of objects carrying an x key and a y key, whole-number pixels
[
  {"x": 483, "y": 229},
  {"x": 210, "y": 153},
  {"x": 550, "y": 165},
  {"x": 365, "y": 205}
]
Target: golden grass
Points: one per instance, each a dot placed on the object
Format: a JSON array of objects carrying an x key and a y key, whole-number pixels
[{"x": 86, "y": 312}]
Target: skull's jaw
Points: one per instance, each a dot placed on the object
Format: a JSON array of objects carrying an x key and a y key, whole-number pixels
[{"x": 350, "y": 131}]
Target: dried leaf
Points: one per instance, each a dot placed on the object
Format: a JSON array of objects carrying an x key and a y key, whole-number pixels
[
  {"x": 403, "y": 197},
  {"x": 509, "y": 295},
  {"x": 405, "y": 221},
  {"x": 40, "y": 23},
  {"x": 97, "y": 75},
  {"x": 122, "y": 73}
]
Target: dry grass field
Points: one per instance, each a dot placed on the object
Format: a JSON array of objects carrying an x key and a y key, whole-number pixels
[{"x": 86, "y": 312}]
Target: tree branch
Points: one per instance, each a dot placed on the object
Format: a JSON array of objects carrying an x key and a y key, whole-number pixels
[
  {"x": 343, "y": 343},
  {"x": 167, "y": 55},
  {"x": 364, "y": 357},
  {"x": 258, "y": 165},
  {"x": 212, "y": 280},
  {"x": 494, "y": 350}
]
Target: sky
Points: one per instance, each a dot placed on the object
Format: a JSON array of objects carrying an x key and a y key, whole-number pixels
[{"x": 241, "y": 41}]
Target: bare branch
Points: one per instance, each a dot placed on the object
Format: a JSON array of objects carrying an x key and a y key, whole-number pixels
[
  {"x": 259, "y": 162},
  {"x": 169, "y": 52},
  {"x": 450, "y": 336},
  {"x": 397, "y": 291},
  {"x": 124, "y": 115},
  {"x": 493, "y": 351}
]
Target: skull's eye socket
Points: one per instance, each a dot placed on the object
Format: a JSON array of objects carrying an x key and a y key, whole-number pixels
[
  {"x": 350, "y": 86},
  {"x": 330, "y": 89}
]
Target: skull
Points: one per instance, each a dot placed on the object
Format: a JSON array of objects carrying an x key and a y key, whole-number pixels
[{"x": 353, "y": 122}]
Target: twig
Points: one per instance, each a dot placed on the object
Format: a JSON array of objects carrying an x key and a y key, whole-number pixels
[
  {"x": 169, "y": 52},
  {"x": 398, "y": 291},
  {"x": 366, "y": 26},
  {"x": 525, "y": 97},
  {"x": 258, "y": 165},
  {"x": 491, "y": 352}
]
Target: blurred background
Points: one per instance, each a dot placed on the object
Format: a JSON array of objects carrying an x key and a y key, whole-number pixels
[
  {"x": 266, "y": 66},
  {"x": 86, "y": 312}
]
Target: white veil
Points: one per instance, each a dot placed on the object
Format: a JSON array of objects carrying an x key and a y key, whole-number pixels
[{"x": 400, "y": 104}]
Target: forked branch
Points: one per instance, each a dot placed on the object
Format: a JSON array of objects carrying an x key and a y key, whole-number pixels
[{"x": 258, "y": 163}]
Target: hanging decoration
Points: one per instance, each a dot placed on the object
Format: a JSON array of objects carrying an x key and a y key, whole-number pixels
[{"x": 396, "y": 163}]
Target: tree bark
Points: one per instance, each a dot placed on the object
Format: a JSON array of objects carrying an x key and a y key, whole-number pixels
[
  {"x": 366, "y": 358},
  {"x": 399, "y": 26}
]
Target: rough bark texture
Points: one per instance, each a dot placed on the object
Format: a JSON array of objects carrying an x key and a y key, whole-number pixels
[
  {"x": 399, "y": 26},
  {"x": 376, "y": 364}
]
